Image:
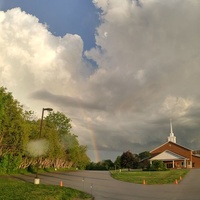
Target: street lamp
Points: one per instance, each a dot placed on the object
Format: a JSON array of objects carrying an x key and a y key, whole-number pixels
[
  {"x": 48, "y": 109},
  {"x": 37, "y": 180}
]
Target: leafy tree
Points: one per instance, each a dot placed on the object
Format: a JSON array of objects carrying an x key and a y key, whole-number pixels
[
  {"x": 143, "y": 155},
  {"x": 13, "y": 138},
  {"x": 60, "y": 122},
  {"x": 79, "y": 157},
  {"x": 117, "y": 162},
  {"x": 12, "y": 135},
  {"x": 64, "y": 142},
  {"x": 129, "y": 160},
  {"x": 108, "y": 164},
  {"x": 95, "y": 166},
  {"x": 57, "y": 129},
  {"x": 102, "y": 165}
]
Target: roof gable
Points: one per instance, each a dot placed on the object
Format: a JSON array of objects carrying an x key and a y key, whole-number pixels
[
  {"x": 168, "y": 155},
  {"x": 178, "y": 145},
  {"x": 196, "y": 155}
]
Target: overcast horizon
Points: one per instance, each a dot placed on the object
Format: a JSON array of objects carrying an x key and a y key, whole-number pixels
[{"x": 119, "y": 69}]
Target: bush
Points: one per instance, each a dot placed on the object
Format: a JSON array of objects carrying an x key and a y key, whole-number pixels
[
  {"x": 9, "y": 163},
  {"x": 157, "y": 165},
  {"x": 32, "y": 169}
]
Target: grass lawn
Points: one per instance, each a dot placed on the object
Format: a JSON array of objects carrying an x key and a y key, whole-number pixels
[
  {"x": 150, "y": 177},
  {"x": 11, "y": 189}
]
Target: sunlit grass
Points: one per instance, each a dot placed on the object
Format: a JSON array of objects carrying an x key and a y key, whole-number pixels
[
  {"x": 150, "y": 177},
  {"x": 11, "y": 189}
]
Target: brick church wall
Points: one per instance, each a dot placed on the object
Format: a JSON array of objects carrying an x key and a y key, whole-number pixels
[
  {"x": 174, "y": 148},
  {"x": 196, "y": 161}
]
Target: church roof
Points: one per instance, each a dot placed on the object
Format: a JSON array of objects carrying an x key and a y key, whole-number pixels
[
  {"x": 173, "y": 144},
  {"x": 197, "y": 155},
  {"x": 168, "y": 155}
]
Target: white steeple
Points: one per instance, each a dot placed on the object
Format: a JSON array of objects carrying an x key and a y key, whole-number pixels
[{"x": 171, "y": 137}]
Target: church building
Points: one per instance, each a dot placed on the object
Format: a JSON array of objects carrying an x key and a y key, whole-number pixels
[{"x": 175, "y": 155}]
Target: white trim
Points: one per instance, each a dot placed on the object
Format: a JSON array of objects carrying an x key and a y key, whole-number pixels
[
  {"x": 168, "y": 155},
  {"x": 197, "y": 155}
]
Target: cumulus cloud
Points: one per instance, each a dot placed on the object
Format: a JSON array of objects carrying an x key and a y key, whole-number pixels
[
  {"x": 147, "y": 55},
  {"x": 33, "y": 58},
  {"x": 148, "y": 69},
  {"x": 175, "y": 106}
]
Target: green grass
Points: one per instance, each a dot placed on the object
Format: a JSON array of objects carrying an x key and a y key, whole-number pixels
[
  {"x": 150, "y": 177},
  {"x": 11, "y": 189}
]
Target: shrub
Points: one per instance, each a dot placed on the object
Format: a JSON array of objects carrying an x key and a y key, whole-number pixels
[
  {"x": 157, "y": 165},
  {"x": 9, "y": 163}
]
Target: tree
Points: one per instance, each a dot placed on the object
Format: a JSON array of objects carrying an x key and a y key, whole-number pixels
[
  {"x": 128, "y": 160},
  {"x": 13, "y": 138},
  {"x": 108, "y": 164},
  {"x": 20, "y": 132},
  {"x": 60, "y": 122},
  {"x": 117, "y": 162},
  {"x": 102, "y": 165},
  {"x": 11, "y": 127},
  {"x": 143, "y": 155},
  {"x": 63, "y": 141},
  {"x": 78, "y": 156}
]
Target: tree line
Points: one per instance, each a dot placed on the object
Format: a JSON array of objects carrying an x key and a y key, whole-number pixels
[
  {"x": 126, "y": 160},
  {"x": 22, "y": 146}
]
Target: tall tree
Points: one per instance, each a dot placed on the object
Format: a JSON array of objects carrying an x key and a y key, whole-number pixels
[
  {"x": 65, "y": 140},
  {"x": 117, "y": 162},
  {"x": 13, "y": 138},
  {"x": 129, "y": 160},
  {"x": 60, "y": 122}
]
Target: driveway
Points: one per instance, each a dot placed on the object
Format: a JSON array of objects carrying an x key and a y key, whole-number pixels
[{"x": 103, "y": 187}]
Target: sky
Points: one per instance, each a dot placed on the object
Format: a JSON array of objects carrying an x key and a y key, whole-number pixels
[{"x": 120, "y": 70}]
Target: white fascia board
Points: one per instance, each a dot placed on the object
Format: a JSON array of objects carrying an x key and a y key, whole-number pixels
[{"x": 168, "y": 155}]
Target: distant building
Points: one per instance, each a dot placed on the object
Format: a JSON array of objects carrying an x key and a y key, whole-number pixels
[{"x": 174, "y": 155}]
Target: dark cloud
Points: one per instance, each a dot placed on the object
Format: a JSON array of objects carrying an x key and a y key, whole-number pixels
[{"x": 64, "y": 101}]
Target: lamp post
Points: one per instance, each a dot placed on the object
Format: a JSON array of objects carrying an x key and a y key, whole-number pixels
[
  {"x": 37, "y": 180},
  {"x": 48, "y": 109}
]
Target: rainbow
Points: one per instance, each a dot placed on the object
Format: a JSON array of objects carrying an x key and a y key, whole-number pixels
[
  {"x": 94, "y": 143},
  {"x": 94, "y": 150}
]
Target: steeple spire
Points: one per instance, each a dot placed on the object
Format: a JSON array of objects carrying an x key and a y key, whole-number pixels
[
  {"x": 171, "y": 137},
  {"x": 171, "y": 133}
]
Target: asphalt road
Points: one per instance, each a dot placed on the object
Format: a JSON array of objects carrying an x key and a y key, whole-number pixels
[{"x": 103, "y": 187}]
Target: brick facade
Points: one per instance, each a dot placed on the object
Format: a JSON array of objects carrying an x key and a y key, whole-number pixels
[
  {"x": 190, "y": 160},
  {"x": 195, "y": 161}
]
